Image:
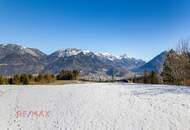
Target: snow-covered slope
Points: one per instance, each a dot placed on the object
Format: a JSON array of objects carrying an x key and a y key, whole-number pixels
[
  {"x": 66, "y": 52},
  {"x": 106, "y": 55},
  {"x": 95, "y": 107}
]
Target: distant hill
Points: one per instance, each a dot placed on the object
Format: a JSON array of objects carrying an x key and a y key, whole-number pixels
[{"x": 156, "y": 64}]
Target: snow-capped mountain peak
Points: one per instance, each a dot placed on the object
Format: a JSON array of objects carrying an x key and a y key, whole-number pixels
[
  {"x": 124, "y": 56},
  {"x": 106, "y": 55},
  {"x": 67, "y": 52},
  {"x": 86, "y": 52}
]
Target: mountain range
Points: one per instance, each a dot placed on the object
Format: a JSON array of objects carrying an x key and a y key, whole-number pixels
[{"x": 16, "y": 59}]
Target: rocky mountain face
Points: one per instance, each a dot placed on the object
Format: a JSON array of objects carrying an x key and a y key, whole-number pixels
[
  {"x": 15, "y": 59},
  {"x": 129, "y": 63},
  {"x": 88, "y": 63},
  {"x": 156, "y": 64}
]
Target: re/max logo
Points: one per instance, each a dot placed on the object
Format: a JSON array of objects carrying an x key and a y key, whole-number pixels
[{"x": 33, "y": 114}]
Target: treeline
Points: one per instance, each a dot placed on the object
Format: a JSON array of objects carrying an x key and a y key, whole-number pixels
[
  {"x": 176, "y": 69},
  {"x": 68, "y": 75},
  {"x": 147, "y": 78},
  {"x": 26, "y": 79}
]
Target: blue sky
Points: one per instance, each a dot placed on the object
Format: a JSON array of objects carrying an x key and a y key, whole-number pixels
[{"x": 138, "y": 28}]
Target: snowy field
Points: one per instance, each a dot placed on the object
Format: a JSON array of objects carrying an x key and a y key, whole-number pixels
[{"x": 96, "y": 106}]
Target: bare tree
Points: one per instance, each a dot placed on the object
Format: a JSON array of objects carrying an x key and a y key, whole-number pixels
[
  {"x": 183, "y": 47},
  {"x": 177, "y": 65},
  {"x": 183, "y": 64}
]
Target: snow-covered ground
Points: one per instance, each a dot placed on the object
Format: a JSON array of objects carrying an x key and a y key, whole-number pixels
[{"x": 102, "y": 106}]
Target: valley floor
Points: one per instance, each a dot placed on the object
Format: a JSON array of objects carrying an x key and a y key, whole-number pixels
[{"x": 95, "y": 106}]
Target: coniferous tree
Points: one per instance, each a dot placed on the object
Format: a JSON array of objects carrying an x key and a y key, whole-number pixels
[
  {"x": 134, "y": 80},
  {"x": 16, "y": 79},
  {"x": 10, "y": 81},
  {"x": 145, "y": 77},
  {"x": 39, "y": 78},
  {"x": 2, "y": 80},
  {"x": 24, "y": 79},
  {"x": 30, "y": 77},
  {"x": 153, "y": 78},
  {"x": 170, "y": 68},
  {"x": 76, "y": 74}
]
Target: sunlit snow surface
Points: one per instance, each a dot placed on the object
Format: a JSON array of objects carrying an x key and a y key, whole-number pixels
[{"x": 96, "y": 106}]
